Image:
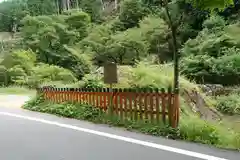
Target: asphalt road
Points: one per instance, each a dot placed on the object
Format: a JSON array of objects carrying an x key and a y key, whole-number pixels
[{"x": 26, "y": 135}]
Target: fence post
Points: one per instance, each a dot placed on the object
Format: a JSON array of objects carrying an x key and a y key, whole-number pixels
[
  {"x": 176, "y": 104},
  {"x": 163, "y": 100},
  {"x": 174, "y": 108},
  {"x": 170, "y": 107}
]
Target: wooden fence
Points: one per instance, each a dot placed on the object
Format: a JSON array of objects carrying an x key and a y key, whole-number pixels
[{"x": 138, "y": 104}]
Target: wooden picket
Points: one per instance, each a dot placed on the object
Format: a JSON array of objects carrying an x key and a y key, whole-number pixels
[{"x": 137, "y": 104}]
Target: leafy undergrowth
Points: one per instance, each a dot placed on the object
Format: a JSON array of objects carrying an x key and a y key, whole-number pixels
[
  {"x": 229, "y": 104},
  {"x": 194, "y": 130}
]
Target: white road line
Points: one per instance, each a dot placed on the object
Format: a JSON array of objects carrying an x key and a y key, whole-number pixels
[{"x": 121, "y": 138}]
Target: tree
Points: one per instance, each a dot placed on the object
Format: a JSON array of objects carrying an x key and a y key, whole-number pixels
[
  {"x": 131, "y": 12},
  {"x": 202, "y": 4},
  {"x": 41, "y": 7}
]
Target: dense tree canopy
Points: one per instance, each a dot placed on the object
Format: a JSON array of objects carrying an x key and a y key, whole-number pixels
[{"x": 75, "y": 34}]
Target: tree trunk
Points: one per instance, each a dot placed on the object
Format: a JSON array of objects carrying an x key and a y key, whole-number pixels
[
  {"x": 175, "y": 49},
  {"x": 116, "y": 4},
  {"x": 57, "y": 6},
  {"x": 77, "y": 4},
  {"x": 68, "y": 5},
  {"x": 63, "y": 5}
]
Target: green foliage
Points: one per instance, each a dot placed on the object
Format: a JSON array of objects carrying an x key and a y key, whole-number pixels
[
  {"x": 79, "y": 22},
  {"x": 11, "y": 11},
  {"x": 34, "y": 102},
  {"x": 122, "y": 48},
  {"x": 200, "y": 131},
  {"x": 92, "y": 81},
  {"x": 131, "y": 12},
  {"x": 47, "y": 73},
  {"x": 70, "y": 110},
  {"x": 3, "y": 75},
  {"x": 41, "y": 7},
  {"x": 17, "y": 75},
  {"x": 53, "y": 40},
  {"x": 144, "y": 75},
  {"x": 14, "y": 10},
  {"x": 205, "y": 69},
  {"x": 93, "y": 8},
  {"x": 213, "y": 4},
  {"x": 131, "y": 45},
  {"x": 155, "y": 32},
  {"x": 25, "y": 59},
  {"x": 126, "y": 47},
  {"x": 214, "y": 22},
  {"x": 229, "y": 104},
  {"x": 213, "y": 56}
]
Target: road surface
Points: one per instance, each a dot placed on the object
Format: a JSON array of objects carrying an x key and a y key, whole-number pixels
[{"x": 27, "y": 135}]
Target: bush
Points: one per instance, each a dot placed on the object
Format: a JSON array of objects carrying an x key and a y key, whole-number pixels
[
  {"x": 79, "y": 22},
  {"x": 70, "y": 110},
  {"x": 126, "y": 47},
  {"x": 3, "y": 75},
  {"x": 34, "y": 103},
  {"x": 17, "y": 75},
  {"x": 146, "y": 74},
  {"x": 24, "y": 59},
  {"x": 47, "y": 73},
  {"x": 206, "y": 43},
  {"x": 131, "y": 12},
  {"x": 54, "y": 40},
  {"x": 77, "y": 61},
  {"x": 131, "y": 45},
  {"x": 229, "y": 104},
  {"x": 214, "y": 22},
  {"x": 96, "y": 40},
  {"x": 93, "y": 8},
  {"x": 205, "y": 69},
  {"x": 199, "y": 131},
  {"x": 155, "y": 32}
]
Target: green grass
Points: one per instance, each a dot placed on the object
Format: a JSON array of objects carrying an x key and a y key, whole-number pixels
[
  {"x": 191, "y": 128},
  {"x": 232, "y": 122},
  {"x": 17, "y": 90}
]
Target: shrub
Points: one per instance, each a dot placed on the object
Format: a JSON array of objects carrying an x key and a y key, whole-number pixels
[
  {"x": 25, "y": 59},
  {"x": 197, "y": 68},
  {"x": 92, "y": 81},
  {"x": 34, "y": 102},
  {"x": 131, "y": 12},
  {"x": 46, "y": 73},
  {"x": 17, "y": 75},
  {"x": 199, "y": 131},
  {"x": 205, "y": 69},
  {"x": 155, "y": 31},
  {"x": 70, "y": 110},
  {"x": 206, "y": 43},
  {"x": 229, "y": 104},
  {"x": 96, "y": 40},
  {"x": 214, "y": 22},
  {"x": 79, "y": 21},
  {"x": 93, "y": 8},
  {"x": 62, "y": 84},
  {"x": 126, "y": 47},
  {"x": 117, "y": 25},
  {"x": 3, "y": 75},
  {"x": 146, "y": 74}
]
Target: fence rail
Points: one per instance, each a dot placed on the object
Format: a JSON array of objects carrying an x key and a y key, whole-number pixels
[{"x": 138, "y": 104}]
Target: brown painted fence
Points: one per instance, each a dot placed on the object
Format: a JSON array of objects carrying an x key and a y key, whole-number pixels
[{"x": 138, "y": 104}]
